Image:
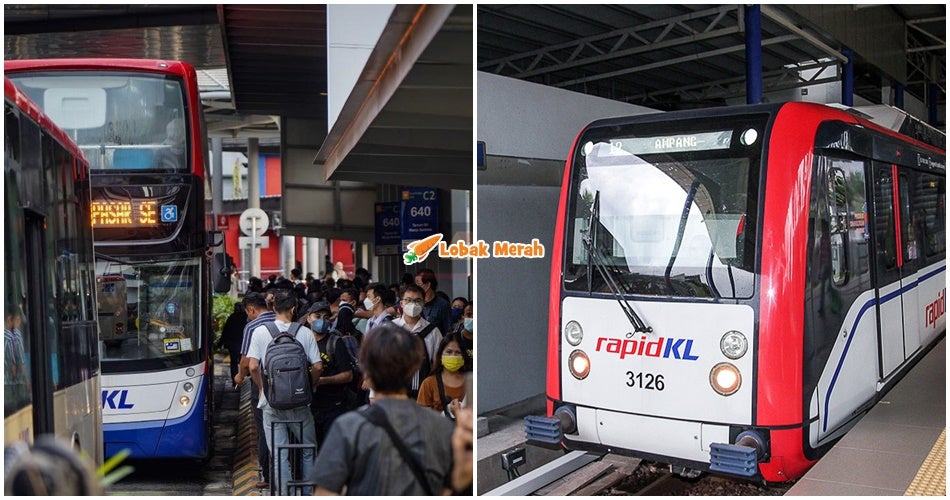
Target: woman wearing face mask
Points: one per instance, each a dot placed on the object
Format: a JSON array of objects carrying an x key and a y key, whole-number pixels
[
  {"x": 445, "y": 388},
  {"x": 458, "y": 307}
]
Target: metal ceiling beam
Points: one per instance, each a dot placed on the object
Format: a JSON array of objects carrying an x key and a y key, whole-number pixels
[
  {"x": 777, "y": 17},
  {"x": 669, "y": 62},
  {"x": 922, "y": 59},
  {"x": 567, "y": 55},
  {"x": 772, "y": 80}
]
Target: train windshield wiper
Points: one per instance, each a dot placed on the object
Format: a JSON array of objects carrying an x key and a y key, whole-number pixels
[
  {"x": 684, "y": 217},
  {"x": 596, "y": 257}
]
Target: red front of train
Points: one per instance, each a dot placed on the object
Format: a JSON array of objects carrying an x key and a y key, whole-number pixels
[{"x": 725, "y": 284}]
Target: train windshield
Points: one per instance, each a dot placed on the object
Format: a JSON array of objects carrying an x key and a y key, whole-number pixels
[
  {"x": 120, "y": 121},
  {"x": 148, "y": 311},
  {"x": 666, "y": 209}
]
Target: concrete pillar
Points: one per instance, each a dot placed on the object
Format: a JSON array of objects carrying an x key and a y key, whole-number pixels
[
  {"x": 314, "y": 250},
  {"x": 253, "y": 197},
  {"x": 288, "y": 255},
  {"x": 847, "y": 79},
  {"x": 753, "y": 54}
]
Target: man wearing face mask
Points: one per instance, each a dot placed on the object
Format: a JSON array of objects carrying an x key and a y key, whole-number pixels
[
  {"x": 330, "y": 394},
  {"x": 345, "y": 314},
  {"x": 375, "y": 303},
  {"x": 431, "y": 336},
  {"x": 435, "y": 309}
]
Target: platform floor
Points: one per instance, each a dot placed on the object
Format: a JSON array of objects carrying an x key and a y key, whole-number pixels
[{"x": 898, "y": 448}]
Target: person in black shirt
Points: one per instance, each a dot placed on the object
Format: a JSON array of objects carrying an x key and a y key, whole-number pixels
[
  {"x": 436, "y": 309},
  {"x": 232, "y": 334},
  {"x": 346, "y": 314},
  {"x": 330, "y": 394}
]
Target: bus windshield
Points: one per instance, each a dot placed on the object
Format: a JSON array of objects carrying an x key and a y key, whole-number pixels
[
  {"x": 670, "y": 208},
  {"x": 147, "y": 311},
  {"x": 120, "y": 121}
]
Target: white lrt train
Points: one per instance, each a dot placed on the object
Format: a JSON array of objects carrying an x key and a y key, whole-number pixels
[{"x": 733, "y": 288}]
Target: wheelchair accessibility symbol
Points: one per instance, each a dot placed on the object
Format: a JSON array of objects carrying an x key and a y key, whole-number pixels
[{"x": 169, "y": 213}]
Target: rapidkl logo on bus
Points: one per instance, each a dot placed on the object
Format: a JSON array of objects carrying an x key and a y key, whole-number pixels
[
  {"x": 660, "y": 348},
  {"x": 110, "y": 401}
]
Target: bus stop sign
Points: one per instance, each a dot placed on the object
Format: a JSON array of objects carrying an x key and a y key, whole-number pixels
[{"x": 253, "y": 222}]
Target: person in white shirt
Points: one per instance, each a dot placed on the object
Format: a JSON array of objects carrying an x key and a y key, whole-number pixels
[
  {"x": 284, "y": 305},
  {"x": 412, "y": 301}
]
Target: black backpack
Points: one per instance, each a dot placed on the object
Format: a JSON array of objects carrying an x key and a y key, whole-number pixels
[
  {"x": 356, "y": 396},
  {"x": 352, "y": 350},
  {"x": 286, "y": 370}
]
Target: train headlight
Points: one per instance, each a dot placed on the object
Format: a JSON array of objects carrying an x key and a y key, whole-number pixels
[
  {"x": 573, "y": 333},
  {"x": 734, "y": 345},
  {"x": 189, "y": 387},
  {"x": 725, "y": 379},
  {"x": 579, "y": 364},
  {"x": 184, "y": 401}
]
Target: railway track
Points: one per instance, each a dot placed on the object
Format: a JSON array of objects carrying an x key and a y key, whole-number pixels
[{"x": 614, "y": 475}]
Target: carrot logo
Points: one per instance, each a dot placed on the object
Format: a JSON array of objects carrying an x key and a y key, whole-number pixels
[{"x": 419, "y": 250}]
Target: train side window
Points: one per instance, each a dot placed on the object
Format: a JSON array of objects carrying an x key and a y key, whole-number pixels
[
  {"x": 929, "y": 218},
  {"x": 883, "y": 220},
  {"x": 909, "y": 220},
  {"x": 839, "y": 223}
]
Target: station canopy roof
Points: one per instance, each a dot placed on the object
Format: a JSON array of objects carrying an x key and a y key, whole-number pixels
[
  {"x": 257, "y": 63},
  {"x": 681, "y": 56}
]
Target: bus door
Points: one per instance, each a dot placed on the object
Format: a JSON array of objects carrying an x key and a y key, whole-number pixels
[
  {"x": 887, "y": 266},
  {"x": 909, "y": 264}
]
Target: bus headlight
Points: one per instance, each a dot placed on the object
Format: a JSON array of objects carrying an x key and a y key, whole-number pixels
[
  {"x": 573, "y": 333},
  {"x": 734, "y": 344},
  {"x": 189, "y": 387},
  {"x": 184, "y": 401},
  {"x": 579, "y": 364},
  {"x": 725, "y": 379}
]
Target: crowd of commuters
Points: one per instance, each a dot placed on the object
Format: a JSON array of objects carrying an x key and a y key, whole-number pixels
[{"x": 389, "y": 412}]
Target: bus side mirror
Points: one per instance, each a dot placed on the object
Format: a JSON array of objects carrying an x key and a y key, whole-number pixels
[{"x": 221, "y": 268}]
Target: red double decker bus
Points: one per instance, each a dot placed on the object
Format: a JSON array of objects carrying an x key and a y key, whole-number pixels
[{"x": 140, "y": 124}]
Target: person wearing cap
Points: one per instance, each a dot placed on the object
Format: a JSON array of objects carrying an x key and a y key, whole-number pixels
[{"x": 330, "y": 394}]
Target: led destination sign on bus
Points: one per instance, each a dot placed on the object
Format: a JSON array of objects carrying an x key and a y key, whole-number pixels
[
  {"x": 679, "y": 143},
  {"x": 130, "y": 214}
]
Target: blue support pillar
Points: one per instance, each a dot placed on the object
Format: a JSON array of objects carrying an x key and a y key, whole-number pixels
[
  {"x": 753, "y": 54},
  {"x": 932, "y": 104},
  {"x": 899, "y": 95},
  {"x": 847, "y": 79}
]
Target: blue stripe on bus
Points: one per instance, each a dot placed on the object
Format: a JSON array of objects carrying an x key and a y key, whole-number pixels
[
  {"x": 184, "y": 436},
  {"x": 857, "y": 321}
]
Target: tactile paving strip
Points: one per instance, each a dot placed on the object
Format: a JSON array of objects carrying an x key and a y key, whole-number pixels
[
  {"x": 245, "y": 474},
  {"x": 931, "y": 479}
]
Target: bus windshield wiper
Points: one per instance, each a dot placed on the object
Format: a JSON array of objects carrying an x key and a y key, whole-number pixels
[{"x": 596, "y": 257}]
